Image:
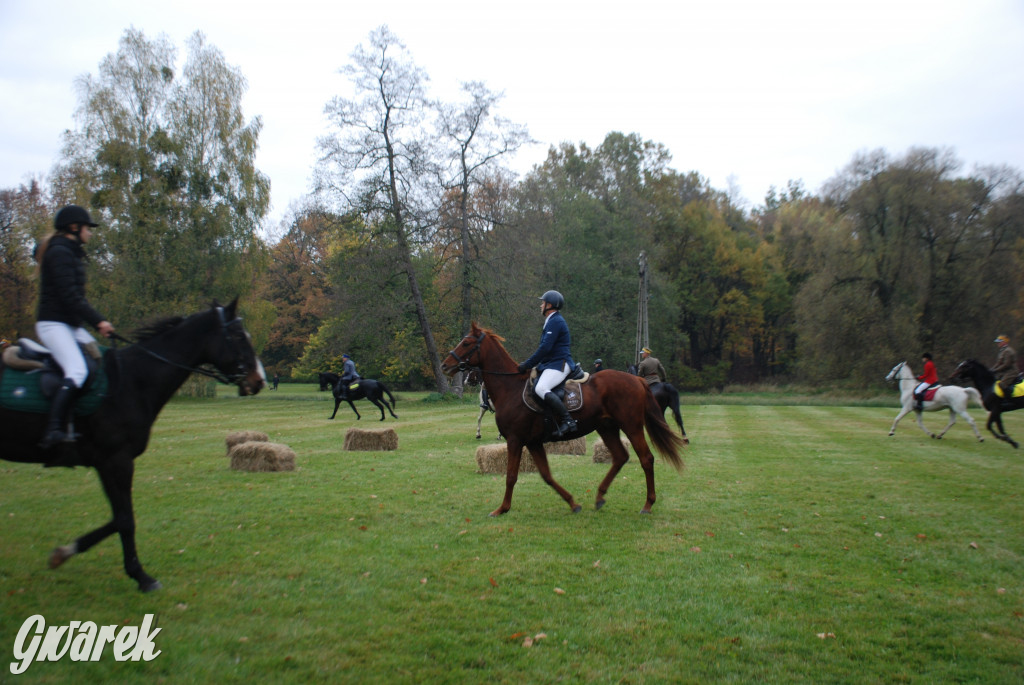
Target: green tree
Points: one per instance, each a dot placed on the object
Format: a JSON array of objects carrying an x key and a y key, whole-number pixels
[{"x": 167, "y": 163}]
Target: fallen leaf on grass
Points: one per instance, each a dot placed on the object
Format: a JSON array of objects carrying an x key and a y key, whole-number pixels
[
  {"x": 516, "y": 636},
  {"x": 695, "y": 549},
  {"x": 973, "y": 545},
  {"x": 528, "y": 642},
  {"x": 493, "y": 582},
  {"x": 559, "y": 591},
  {"x": 823, "y": 636},
  {"x": 597, "y": 563}
]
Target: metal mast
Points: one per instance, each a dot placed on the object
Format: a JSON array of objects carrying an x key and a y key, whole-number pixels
[{"x": 643, "y": 338}]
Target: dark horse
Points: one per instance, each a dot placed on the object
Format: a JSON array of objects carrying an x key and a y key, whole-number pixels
[
  {"x": 612, "y": 401},
  {"x": 365, "y": 388},
  {"x": 668, "y": 397},
  {"x": 985, "y": 381},
  {"x": 142, "y": 377}
]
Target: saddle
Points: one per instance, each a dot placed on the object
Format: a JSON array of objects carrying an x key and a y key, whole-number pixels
[
  {"x": 568, "y": 391},
  {"x": 928, "y": 394},
  {"x": 29, "y": 376}
]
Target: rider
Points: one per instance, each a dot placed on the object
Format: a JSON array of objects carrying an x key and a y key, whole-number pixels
[
  {"x": 598, "y": 366},
  {"x": 929, "y": 377},
  {"x": 553, "y": 359},
  {"x": 62, "y": 311},
  {"x": 1006, "y": 365},
  {"x": 650, "y": 368},
  {"x": 348, "y": 375}
]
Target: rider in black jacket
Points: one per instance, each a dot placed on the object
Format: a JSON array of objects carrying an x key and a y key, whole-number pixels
[{"x": 63, "y": 311}]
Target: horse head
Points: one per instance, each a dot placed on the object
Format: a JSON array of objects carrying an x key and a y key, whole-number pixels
[
  {"x": 472, "y": 351},
  {"x": 972, "y": 369},
  {"x": 896, "y": 373},
  {"x": 232, "y": 353}
]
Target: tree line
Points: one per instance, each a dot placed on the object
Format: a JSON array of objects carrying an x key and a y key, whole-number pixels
[{"x": 415, "y": 227}]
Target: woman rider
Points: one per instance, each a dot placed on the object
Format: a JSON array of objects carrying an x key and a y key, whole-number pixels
[
  {"x": 63, "y": 310},
  {"x": 553, "y": 360}
]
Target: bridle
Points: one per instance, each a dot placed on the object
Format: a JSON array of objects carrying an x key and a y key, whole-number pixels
[
  {"x": 464, "y": 361},
  {"x": 216, "y": 374}
]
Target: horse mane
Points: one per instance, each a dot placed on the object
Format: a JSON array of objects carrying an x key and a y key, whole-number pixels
[
  {"x": 158, "y": 327},
  {"x": 488, "y": 331}
]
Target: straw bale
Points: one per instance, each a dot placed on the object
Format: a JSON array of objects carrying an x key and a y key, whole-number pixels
[
  {"x": 602, "y": 455},
  {"x": 574, "y": 446},
  {"x": 238, "y": 437},
  {"x": 262, "y": 456},
  {"x": 494, "y": 459},
  {"x": 378, "y": 440}
]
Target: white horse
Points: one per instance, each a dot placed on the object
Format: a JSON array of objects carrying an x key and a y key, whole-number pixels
[
  {"x": 952, "y": 396},
  {"x": 485, "y": 406}
]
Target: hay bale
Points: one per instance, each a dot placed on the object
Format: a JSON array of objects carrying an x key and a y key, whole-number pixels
[
  {"x": 238, "y": 437},
  {"x": 262, "y": 456},
  {"x": 494, "y": 459},
  {"x": 603, "y": 455},
  {"x": 380, "y": 440},
  {"x": 575, "y": 446}
]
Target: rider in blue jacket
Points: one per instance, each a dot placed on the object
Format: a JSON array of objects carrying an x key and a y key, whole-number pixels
[{"x": 553, "y": 360}]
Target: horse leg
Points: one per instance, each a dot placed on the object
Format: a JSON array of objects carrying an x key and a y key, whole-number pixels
[
  {"x": 974, "y": 426},
  {"x": 1002, "y": 435},
  {"x": 540, "y": 458},
  {"x": 337, "y": 403},
  {"x": 376, "y": 403},
  {"x": 117, "y": 484},
  {"x": 357, "y": 411},
  {"x": 920, "y": 423},
  {"x": 515, "y": 452},
  {"x": 903, "y": 412},
  {"x": 619, "y": 458},
  {"x": 643, "y": 453},
  {"x": 952, "y": 420},
  {"x": 479, "y": 420}
]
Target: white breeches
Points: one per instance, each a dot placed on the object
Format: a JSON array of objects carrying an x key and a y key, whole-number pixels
[
  {"x": 921, "y": 387},
  {"x": 62, "y": 340},
  {"x": 549, "y": 378}
]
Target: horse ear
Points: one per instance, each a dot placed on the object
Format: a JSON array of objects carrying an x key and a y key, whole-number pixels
[
  {"x": 474, "y": 328},
  {"x": 230, "y": 308}
]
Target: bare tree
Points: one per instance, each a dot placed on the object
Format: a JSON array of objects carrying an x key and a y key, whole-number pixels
[{"x": 379, "y": 160}]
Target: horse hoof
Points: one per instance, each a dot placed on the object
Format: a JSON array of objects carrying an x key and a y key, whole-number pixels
[
  {"x": 151, "y": 586},
  {"x": 892, "y": 433},
  {"x": 60, "y": 555},
  {"x": 645, "y": 511},
  {"x": 577, "y": 509},
  {"x": 598, "y": 505}
]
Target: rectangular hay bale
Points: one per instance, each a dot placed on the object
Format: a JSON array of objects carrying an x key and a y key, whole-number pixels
[{"x": 380, "y": 440}]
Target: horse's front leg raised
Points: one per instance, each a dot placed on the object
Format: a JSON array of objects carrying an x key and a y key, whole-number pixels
[
  {"x": 998, "y": 419},
  {"x": 903, "y": 412}
]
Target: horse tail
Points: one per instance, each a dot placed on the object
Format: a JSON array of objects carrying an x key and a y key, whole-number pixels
[
  {"x": 973, "y": 394},
  {"x": 666, "y": 441}
]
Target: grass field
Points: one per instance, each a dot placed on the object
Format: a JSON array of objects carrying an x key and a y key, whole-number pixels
[{"x": 801, "y": 544}]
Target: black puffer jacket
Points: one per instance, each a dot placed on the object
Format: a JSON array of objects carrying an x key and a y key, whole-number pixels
[{"x": 62, "y": 285}]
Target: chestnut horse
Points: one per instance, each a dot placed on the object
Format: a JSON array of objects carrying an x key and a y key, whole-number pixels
[{"x": 612, "y": 401}]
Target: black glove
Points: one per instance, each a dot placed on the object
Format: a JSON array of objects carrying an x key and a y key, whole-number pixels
[{"x": 523, "y": 368}]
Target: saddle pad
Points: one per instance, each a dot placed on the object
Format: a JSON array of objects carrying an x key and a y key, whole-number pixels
[
  {"x": 1018, "y": 390},
  {"x": 573, "y": 397},
  {"x": 20, "y": 391},
  {"x": 929, "y": 394}
]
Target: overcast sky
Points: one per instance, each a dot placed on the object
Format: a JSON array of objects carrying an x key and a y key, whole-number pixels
[{"x": 748, "y": 93}]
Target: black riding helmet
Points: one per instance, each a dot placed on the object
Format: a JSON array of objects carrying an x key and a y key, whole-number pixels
[
  {"x": 70, "y": 215},
  {"x": 553, "y": 298}
]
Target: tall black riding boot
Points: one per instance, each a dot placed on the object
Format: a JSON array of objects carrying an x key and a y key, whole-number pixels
[
  {"x": 566, "y": 424},
  {"x": 60, "y": 411}
]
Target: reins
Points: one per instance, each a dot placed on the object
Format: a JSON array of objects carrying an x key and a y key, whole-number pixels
[{"x": 214, "y": 374}]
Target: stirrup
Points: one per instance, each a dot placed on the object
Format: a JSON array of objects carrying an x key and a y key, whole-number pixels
[{"x": 56, "y": 437}]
